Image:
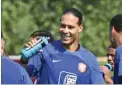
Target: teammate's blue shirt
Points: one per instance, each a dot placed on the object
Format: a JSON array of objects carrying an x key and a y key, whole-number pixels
[
  {"x": 118, "y": 65},
  {"x": 13, "y": 73},
  {"x": 55, "y": 49}
]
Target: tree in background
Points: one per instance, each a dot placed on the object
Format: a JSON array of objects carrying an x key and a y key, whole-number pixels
[{"x": 21, "y": 17}]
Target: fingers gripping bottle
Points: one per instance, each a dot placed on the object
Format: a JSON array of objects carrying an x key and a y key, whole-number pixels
[{"x": 29, "y": 52}]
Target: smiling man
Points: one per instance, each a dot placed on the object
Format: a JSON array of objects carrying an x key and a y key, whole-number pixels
[
  {"x": 106, "y": 71},
  {"x": 66, "y": 62}
]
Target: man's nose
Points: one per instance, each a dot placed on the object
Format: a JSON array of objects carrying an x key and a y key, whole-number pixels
[
  {"x": 109, "y": 57},
  {"x": 66, "y": 30}
]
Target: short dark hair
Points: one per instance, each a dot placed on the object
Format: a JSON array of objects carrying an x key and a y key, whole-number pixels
[
  {"x": 111, "y": 46},
  {"x": 75, "y": 12},
  {"x": 43, "y": 33},
  {"x": 116, "y": 22}
]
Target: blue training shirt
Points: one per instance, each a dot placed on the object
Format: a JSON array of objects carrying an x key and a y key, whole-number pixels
[
  {"x": 62, "y": 68},
  {"x": 118, "y": 65},
  {"x": 13, "y": 73},
  {"x": 81, "y": 55}
]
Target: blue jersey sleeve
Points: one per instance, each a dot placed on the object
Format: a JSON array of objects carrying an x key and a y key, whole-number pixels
[
  {"x": 25, "y": 79},
  {"x": 17, "y": 74},
  {"x": 96, "y": 74},
  {"x": 34, "y": 65},
  {"x": 119, "y": 61},
  {"x": 90, "y": 59}
]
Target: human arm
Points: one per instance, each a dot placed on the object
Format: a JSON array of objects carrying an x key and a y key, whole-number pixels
[
  {"x": 34, "y": 64},
  {"x": 25, "y": 79},
  {"x": 96, "y": 76}
]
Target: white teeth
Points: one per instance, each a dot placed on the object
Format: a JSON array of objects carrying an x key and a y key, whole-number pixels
[{"x": 65, "y": 36}]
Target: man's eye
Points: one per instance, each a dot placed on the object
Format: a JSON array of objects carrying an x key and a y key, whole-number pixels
[
  {"x": 71, "y": 27},
  {"x": 62, "y": 26}
]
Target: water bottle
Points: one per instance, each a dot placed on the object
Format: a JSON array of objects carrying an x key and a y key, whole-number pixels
[
  {"x": 29, "y": 52},
  {"x": 109, "y": 66}
]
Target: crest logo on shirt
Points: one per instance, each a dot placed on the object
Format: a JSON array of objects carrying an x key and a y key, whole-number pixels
[
  {"x": 68, "y": 78},
  {"x": 81, "y": 67}
]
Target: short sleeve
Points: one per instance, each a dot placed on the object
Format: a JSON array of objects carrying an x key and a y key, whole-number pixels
[{"x": 34, "y": 64}]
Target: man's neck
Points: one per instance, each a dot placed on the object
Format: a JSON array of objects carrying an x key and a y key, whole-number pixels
[
  {"x": 71, "y": 47},
  {"x": 119, "y": 40}
]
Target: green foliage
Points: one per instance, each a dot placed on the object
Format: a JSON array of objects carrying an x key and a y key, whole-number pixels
[{"x": 21, "y": 17}]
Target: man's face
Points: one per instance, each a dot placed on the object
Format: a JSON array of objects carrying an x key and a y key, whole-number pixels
[
  {"x": 2, "y": 46},
  {"x": 112, "y": 36},
  {"x": 69, "y": 29},
  {"x": 110, "y": 56}
]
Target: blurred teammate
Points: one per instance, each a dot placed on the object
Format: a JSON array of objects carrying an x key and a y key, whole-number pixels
[
  {"x": 33, "y": 72},
  {"x": 64, "y": 61},
  {"x": 110, "y": 58},
  {"x": 12, "y": 72},
  {"x": 116, "y": 40}
]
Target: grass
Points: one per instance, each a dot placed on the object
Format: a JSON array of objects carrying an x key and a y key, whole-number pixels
[{"x": 101, "y": 63}]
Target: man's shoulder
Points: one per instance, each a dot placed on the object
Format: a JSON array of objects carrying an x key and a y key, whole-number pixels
[
  {"x": 16, "y": 67},
  {"x": 86, "y": 52},
  {"x": 89, "y": 57},
  {"x": 119, "y": 52},
  {"x": 11, "y": 63},
  {"x": 7, "y": 64},
  {"x": 119, "y": 49},
  {"x": 7, "y": 60},
  {"x": 17, "y": 72},
  {"x": 53, "y": 45}
]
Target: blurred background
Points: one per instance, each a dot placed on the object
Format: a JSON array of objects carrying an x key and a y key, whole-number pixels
[{"x": 22, "y": 17}]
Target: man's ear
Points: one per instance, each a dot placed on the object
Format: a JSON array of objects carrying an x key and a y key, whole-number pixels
[
  {"x": 113, "y": 31},
  {"x": 80, "y": 28}
]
